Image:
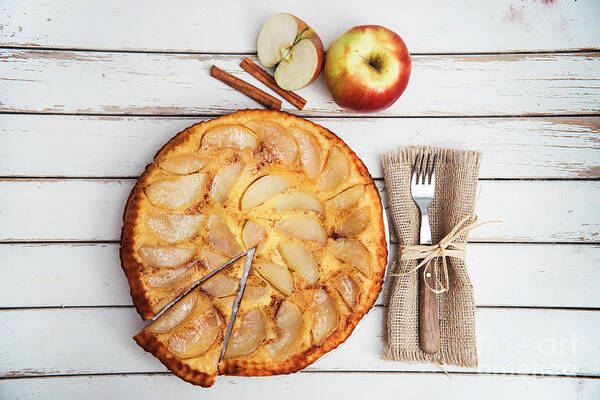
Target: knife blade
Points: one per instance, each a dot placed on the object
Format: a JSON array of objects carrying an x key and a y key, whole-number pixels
[
  {"x": 201, "y": 281},
  {"x": 238, "y": 298}
]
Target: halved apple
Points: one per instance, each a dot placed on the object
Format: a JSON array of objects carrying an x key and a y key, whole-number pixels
[
  {"x": 324, "y": 315},
  {"x": 277, "y": 139},
  {"x": 300, "y": 260},
  {"x": 165, "y": 256},
  {"x": 262, "y": 190},
  {"x": 199, "y": 332},
  {"x": 221, "y": 237},
  {"x": 290, "y": 44},
  {"x": 347, "y": 198},
  {"x": 310, "y": 152},
  {"x": 175, "y": 315},
  {"x": 279, "y": 277},
  {"x": 174, "y": 228},
  {"x": 352, "y": 252},
  {"x": 298, "y": 201},
  {"x": 302, "y": 227},
  {"x": 347, "y": 288},
  {"x": 289, "y": 323},
  {"x": 231, "y": 136},
  {"x": 224, "y": 181},
  {"x": 183, "y": 163},
  {"x": 253, "y": 234},
  {"x": 355, "y": 222},
  {"x": 336, "y": 170},
  {"x": 175, "y": 193},
  {"x": 248, "y": 333}
]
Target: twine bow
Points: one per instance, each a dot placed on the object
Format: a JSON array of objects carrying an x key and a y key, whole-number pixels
[{"x": 445, "y": 248}]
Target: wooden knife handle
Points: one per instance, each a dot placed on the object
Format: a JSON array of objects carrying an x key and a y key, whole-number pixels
[{"x": 429, "y": 327}]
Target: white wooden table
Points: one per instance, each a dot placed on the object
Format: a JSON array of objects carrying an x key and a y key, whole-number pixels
[{"x": 90, "y": 90}]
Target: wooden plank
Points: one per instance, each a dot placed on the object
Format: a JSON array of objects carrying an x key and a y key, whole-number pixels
[
  {"x": 502, "y": 274},
  {"x": 98, "y": 340},
  {"x": 302, "y": 385},
  {"x": 228, "y": 26},
  {"x": 91, "y": 210},
  {"x": 176, "y": 84},
  {"x": 121, "y": 146}
]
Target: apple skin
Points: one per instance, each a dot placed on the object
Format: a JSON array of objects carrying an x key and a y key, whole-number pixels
[
  {"x": 311, "y": 35},
  {"x": 367, "y": 68}
]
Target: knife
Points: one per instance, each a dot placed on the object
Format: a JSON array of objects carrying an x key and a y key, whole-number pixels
[
  {"x": 249, "y": 256},
  {"x": 238, "y": 298}
]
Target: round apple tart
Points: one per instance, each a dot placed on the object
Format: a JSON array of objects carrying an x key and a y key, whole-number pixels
[{"x": 252, "y": 178}]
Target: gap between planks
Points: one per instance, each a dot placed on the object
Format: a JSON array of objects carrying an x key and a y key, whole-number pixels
[
  {"x": 482, "y": 307},
  {"x": 250, "y": 53},
  {"x": 317, "y": 116},
  {"x": 168, "y": 373},
  {"x": 26, "y": 178}
]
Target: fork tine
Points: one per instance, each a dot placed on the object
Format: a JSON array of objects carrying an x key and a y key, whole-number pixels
[
  {"x": 432, "y": 176},
  {"x": 420, "y": 174},
  {"x": 425, "y": 168},
  {"x": 415, "y": 171},
  {"x": 429, "y": 168}
]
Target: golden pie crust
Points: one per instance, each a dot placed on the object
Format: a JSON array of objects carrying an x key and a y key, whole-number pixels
[{"x": 173, "y": 234}]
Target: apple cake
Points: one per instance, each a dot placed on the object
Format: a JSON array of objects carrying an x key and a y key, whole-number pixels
[{"x": 252, "y": 178}]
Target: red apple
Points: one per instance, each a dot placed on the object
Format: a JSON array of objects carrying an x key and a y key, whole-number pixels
[
  {"x": 367, "y": 68},
  {"x": 289, "y": 44}
]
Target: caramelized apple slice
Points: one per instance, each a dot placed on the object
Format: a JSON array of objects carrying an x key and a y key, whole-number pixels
[
  {"x": 224, "y": 181},
  {"x": 253, "y": 234},
  {"x": 221, "y": 285},
  {"x": 336, "y": 170},
  {"x": 177, "y": 192},
  {"x": 248, "y": 333},
  {"x": 302, "y": 227},
  {"x": 298, "y": 201},
  {"x": 165, "y": 256},
  {"x": 254, "y": 293},
  {"x": 173, "y": 278},
  {"x": 353, "y": 253},
  {"x": 199, "y": 331},
  {"x": 211, "y": 259},
  {"x": 355, "y": 222},
  {"x": 221, "y": 237},
  {"x": 324, "y": 315},
  {"x": 277, "y": 139},
  {"x": 347, "y": 198},
  {"x": 347, "y": 288},
  {"x": 173, "y": 228},
  {"x": 310, "y": 152},
  {"x": 224, "y": 304},
  {"x": 279, "y": 277},
  {"x": 289, "y": 324},
  {"x": 183, "y": 163},
  {"x": 175, "y": 315},
  {"x": 262, "y": 190},
  {"x": 231, "y": 136},
  {"x": 300, "y": 260}
]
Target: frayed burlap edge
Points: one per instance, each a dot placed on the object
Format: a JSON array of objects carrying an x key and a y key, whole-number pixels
[{"x": 407, "y": 155}]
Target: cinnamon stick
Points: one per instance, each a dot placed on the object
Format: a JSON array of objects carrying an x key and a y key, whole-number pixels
[
  {"x": 249, "y": 66},
  {"x": 244, "y": 87}
]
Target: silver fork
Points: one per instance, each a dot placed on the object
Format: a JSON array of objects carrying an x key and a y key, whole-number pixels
[{"x": 422, "y": 188}]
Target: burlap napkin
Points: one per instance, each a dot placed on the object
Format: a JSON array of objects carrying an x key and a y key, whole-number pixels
[{"x": 456, "y": 176}]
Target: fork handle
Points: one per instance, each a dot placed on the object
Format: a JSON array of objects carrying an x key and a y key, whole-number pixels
[{"x": 429, "y": 327}]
